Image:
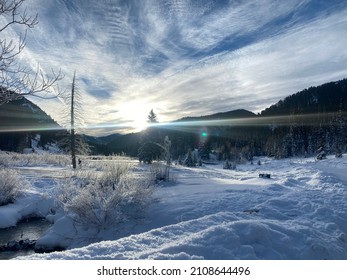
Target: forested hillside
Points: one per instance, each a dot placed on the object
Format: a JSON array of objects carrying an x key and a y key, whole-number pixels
[
  {"x": 312, "y": 119},
  {"x": 329, "y": 97},
  {"x": 20, "y": 121},
  {"x": 298, "y": 125}
]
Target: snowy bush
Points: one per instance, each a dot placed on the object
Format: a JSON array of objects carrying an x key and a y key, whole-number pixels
[
  {"x": 102, "y": 200},
  {"x": 11, "y": 186},
  {"x": 229, "y": 165},
  {"x": 114, "y": 173},
  {"x": 321, "y": 155},
  {"x": 9, "y": 159},
  {"x": 160, "y": 172}
]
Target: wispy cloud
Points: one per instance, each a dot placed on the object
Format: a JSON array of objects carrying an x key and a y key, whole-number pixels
[{"x": 183, "y": 57}]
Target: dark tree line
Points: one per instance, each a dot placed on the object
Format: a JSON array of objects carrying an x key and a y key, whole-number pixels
[{"x": 300, "y": 125}]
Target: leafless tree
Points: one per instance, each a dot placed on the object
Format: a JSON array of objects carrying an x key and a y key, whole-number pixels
[
  {"x": 73, "y": 120},
  {"x": 72, "y": 132},
  {"x": 17, "y": 81}
]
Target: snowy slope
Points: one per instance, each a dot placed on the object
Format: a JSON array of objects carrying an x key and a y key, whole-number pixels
[{"x": 211, "y": 213}]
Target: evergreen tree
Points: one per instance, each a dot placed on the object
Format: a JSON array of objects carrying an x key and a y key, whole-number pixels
[
  {"x": 340, "y": 132},
  {"x": 189, "y": 161},
  {"x": 152, "y": 117}
]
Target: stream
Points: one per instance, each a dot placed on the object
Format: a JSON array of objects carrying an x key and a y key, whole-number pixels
[{"x": 31, "y": 229}]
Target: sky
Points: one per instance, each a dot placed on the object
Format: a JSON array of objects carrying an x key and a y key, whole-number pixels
[{"x": 183, "y": 58}]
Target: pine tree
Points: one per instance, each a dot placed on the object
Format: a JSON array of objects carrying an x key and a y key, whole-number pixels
[
  {"x": 152, "y": 117},
  {"x": 189, "y": 161},
  {"x": 340, "y": 131}
]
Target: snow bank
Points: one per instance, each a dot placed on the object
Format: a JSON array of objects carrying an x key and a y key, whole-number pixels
[
  {"x": 218, "y": 236},
  {"x": 61, "y": 237},
  {"x": 32, "y": 204}
]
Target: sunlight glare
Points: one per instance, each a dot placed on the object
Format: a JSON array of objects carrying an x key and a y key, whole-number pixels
[{"x": 136, "y": 113}]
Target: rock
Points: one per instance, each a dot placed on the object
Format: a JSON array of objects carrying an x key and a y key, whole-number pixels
[
  {"x": 48, "y": 249},
  {"x": 251, "y": 211},
  {"x": 13, "y": 246},
  {"x": 28, "y": 244},
  {"x": 18, "y": 245}
]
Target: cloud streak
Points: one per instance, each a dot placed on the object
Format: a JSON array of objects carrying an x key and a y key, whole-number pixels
[{"x": 183, "y": 57}]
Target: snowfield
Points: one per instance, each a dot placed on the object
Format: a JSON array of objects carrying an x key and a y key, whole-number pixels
[{"x": 210, "y": 213}]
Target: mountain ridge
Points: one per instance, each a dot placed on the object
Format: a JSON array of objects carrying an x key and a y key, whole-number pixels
[
  {"x": 237, "y": 113},
  {"x": 322, "y": 98}
]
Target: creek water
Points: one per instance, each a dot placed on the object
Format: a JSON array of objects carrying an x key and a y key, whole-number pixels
[{"x": 31, "y": 229}]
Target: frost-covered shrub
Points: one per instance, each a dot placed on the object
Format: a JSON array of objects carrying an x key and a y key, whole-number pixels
[
  {"x": 105, "y": 199},
  {"x": 9, "y": 159},
  {"x": 104, "y": 206},
  {"x": 321, "y": 155},
  {"x": 229, "y": 165},
  {"x": 11, "y": 186},
  {"x": 69, "y": 187},
  {"x": 6, "y": 159},
  {"x": 113, "y": 173},
  {"x": 160, "y": 172}
]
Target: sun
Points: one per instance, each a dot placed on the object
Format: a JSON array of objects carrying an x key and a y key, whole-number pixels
[
  {"x": 135, "y": 113},
  {"x": 140, "y": 125}
]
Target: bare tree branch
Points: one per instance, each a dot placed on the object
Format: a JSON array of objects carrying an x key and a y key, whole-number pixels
[{"x": 17, "y": 81}]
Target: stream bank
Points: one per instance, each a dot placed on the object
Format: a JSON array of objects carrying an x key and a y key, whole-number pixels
[{"x": 20, "y": 240}]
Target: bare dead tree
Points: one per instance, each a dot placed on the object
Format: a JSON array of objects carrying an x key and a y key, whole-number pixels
[
  {"x": 72, "y": 132},
  {"x": 73, "y": 119},
  {"x": 17, "y": 81}
]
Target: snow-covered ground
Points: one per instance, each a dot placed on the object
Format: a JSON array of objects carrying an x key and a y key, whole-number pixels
[{"x": 212, "y": 213}]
